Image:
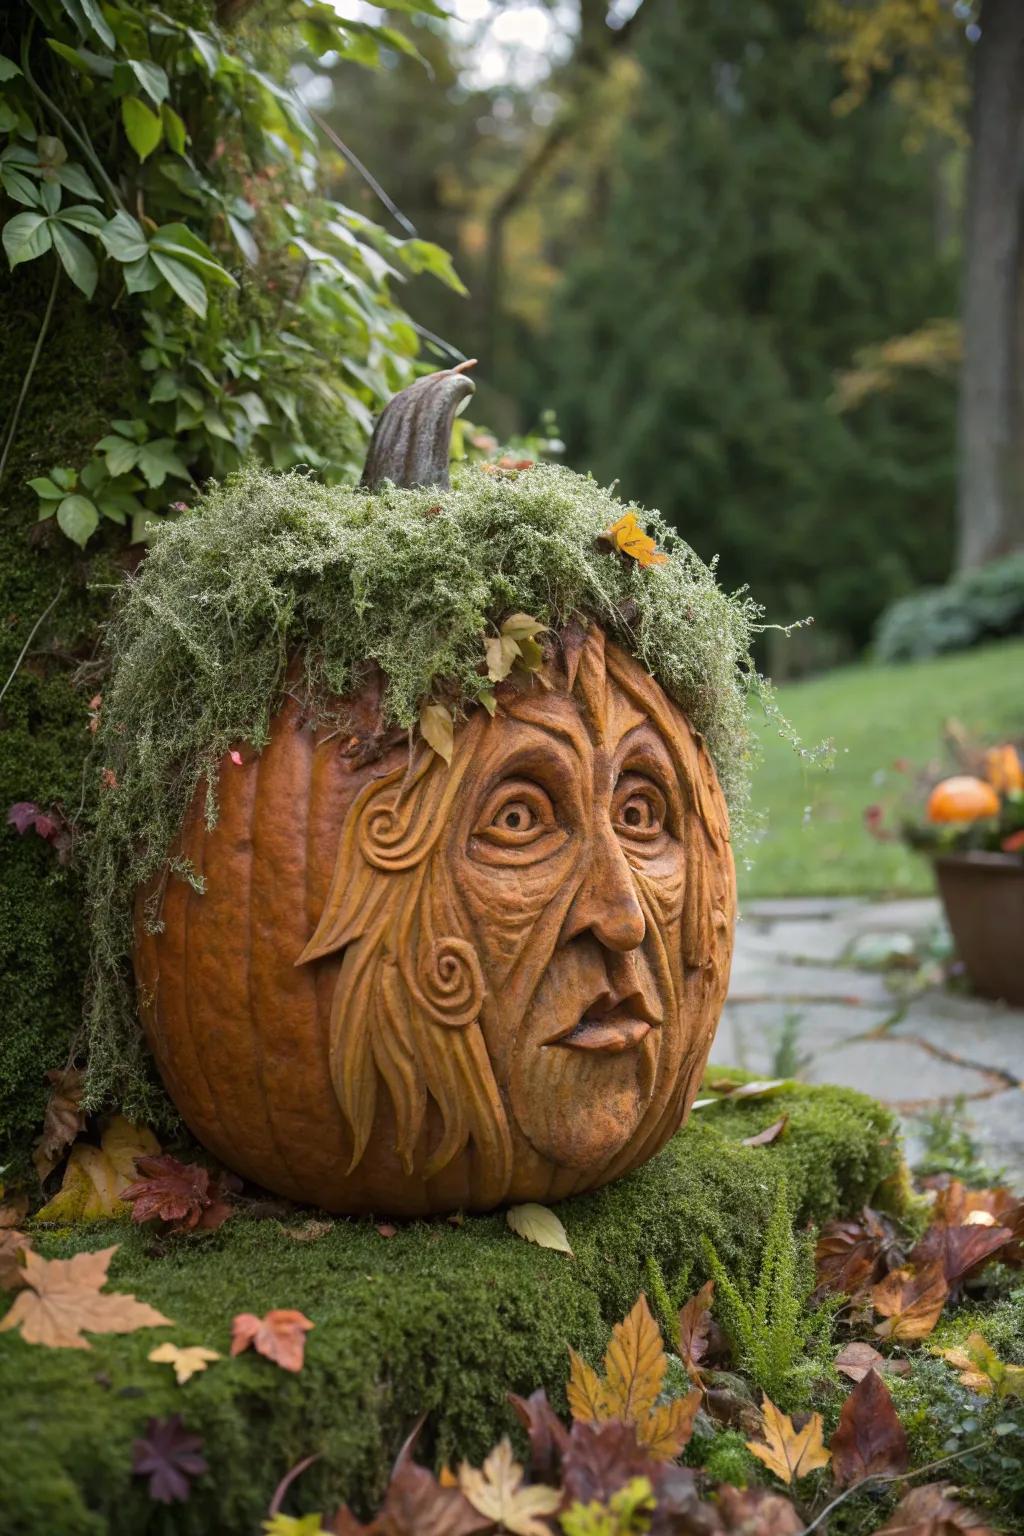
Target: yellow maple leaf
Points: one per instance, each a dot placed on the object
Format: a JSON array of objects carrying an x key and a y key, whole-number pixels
[
  {"x": 498, "y": 1492},
  {"x": 981, "y": 1369},
  {"x": 627, "y": 535},
  {"x": 788, "y": 1452},
  {"x": 95, "y": 1177},
  {"x": 186, "y": 1362},
  {"x": 63, "y": 1296},
  {"x": 635, "y": 1364}
]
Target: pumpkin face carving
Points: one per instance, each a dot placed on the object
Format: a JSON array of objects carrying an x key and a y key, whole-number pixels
[{"x": 410, "y": 988}]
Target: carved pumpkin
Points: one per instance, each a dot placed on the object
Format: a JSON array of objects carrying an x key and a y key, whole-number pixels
[
  {"x": 410, "y": 987},
  {"x": 962, "y": 798}
]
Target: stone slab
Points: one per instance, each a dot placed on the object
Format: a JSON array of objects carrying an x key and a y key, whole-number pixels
[
  {"x": 757, "y": 976},
  {"x": 968, "y": 1027},
  {"x": 996, "y": 1125},
  {"x": 898, "y": 1072},
  {"x": 749, "y": 1034}
]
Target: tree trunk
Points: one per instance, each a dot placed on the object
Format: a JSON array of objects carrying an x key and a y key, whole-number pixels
[{"x": 991, "y": 484}]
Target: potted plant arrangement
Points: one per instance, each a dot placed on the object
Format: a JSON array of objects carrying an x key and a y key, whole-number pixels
[{"x": 973, "y": 830}]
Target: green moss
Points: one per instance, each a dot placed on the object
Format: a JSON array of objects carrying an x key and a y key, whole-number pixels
[{"x": 438, "y": 1319}]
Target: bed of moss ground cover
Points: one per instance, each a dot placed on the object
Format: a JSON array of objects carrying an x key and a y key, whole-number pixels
[{"x": 439, "y": 1319}]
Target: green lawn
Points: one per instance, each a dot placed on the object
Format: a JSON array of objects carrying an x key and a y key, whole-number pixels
[{"x": 815, "y": 841}]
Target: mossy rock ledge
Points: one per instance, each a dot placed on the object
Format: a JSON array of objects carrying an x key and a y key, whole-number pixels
[{"x": 440, "y": 1319}]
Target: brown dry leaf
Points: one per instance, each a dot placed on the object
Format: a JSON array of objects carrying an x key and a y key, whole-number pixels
[
  {"x": 13, "y": 1212},
  {"x": 96, "y": 1178},
  {"x": 186, "y": 1362},
  {"x": 694, "y": 1328},
  {"x": 768, "y": 1135},
  {"x": 279, "y": 1336},
  {"x": 857, "y": 1359},
  {"x": 437, "y": 727},
  {"x": 957, "y": 1206},
  {"x": 311, "y": 1231},
  {"x": 498, "y": 1491},
  {"x": 63, "y": 1119},
  {"x": 183, "y": 1195},
  {"x": 960, "y": 1250},
  {"x": 981, "y": 1369},
  {"x": 756, "y": 1512},
  {"x": 416, "y": 1504},
  {"x": 13, "y": 1245},
  {"x": 869, "y": 1440},
  {"x": 850, "y": 1255},
  {"x": 932, "y": 1511},
  {"x": 627, "y": 536},
  {"x": 63, "y": 1296},
  {"x": 788, "y": 1452},
  {"x": 911, "y": 1301},
  {"x": 635, "y": 1364}
]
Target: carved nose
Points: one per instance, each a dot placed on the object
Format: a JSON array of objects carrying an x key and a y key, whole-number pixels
[{"x": 605, "y": 904}]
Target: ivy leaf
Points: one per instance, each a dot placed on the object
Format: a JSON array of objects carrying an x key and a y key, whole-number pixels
[
  {"x": 119, "y": 454},
  {"x": 80, "y": 265},
  {"x": 869, "y": 1440},
  {"x": 26, "y": 236},
  {"x": 424, "y": 256},
  {"x": 62, "y": 1297},
  {"x": 206, "y": 50},
  {"x": 124, "y": 238},
  {"x": 159, "y": 459},
  {"x": 45, "y": 489},
  {"x": 152, "y": 77},
  {"x": 187, "y": 1362},
  {"x": 8, "y": 68},
  {"x": 74, "y": 178},
  {"x": 499, "y": 1492},
  {"x": 279, "y": 1336},
  {"x": 170, "y": 1457},
  {"x": 788, "y": 1452},
  {"x": 538, "y": 1225},
  {"x": 96, "y": 19},
  {"x": 19, "y": 187},
  {"x": 96, "y": 1178},
  {"x": 438, "y": 730},
  {"x": 187, "y": 285},
  {"x": 143, "y": 126},
  {"x": 174, "y": 129},
  {"x": 78, "y": 518}
]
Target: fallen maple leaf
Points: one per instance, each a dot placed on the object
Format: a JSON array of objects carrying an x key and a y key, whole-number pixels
[
  {"x": 96, "y": 1178},
  {"x": 768, "y": 1135},
  {"x": 181, "y": 1194},
  {"x": 756, "y": 1512},
  {"x": 63, "y": 1118},
  {"x": 13, "y": 1245},
  {"x": 170, "y": 1456},
  {"x": 635, "y": 1364},
  {"x": 911, "y": 1301},
  {"x": 851, "y": 1255},
  {"x": 869, "y": 1440},
  {"x": 279, "y": 1336},
  {"x": 538, "y": 1225},
  {"x": 437, "y": 727},
  {"x": 789, "y": 1452},
  {"x": 931, "y": 1511},
  {"x": 62, "y": 1297},
  {"x": 982, "y": 1370},
  {"x": 498, "y": 1491},
  {"x": 857, "y": 1359},
  {"x": 187, "y": 1362},
  {"x": 695, "y": 1328},
  {"x": 627, "y": 536}
]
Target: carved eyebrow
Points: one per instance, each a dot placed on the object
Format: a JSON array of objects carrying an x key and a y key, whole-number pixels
[
  {"x": 637, "y": 746},
  {"x": 540, "y": 717}
]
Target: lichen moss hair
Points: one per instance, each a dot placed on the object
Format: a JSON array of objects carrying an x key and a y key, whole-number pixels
[{"x": 268, "y": 573}]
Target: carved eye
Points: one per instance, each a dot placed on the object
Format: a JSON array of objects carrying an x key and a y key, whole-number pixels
[
  {"x": 515, "y": 816},
  {"x": 518, "y": 815},
  {"x": 639, "y": 810}
]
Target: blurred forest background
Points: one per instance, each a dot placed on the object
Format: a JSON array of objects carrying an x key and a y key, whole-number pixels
[{"x": 724, "y": 243}]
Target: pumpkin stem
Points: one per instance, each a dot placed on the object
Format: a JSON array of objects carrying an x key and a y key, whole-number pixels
[{"x": 410, "y": 442}]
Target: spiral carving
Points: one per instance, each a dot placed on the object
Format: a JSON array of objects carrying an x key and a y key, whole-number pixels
[{"x": 449, "y": 984}]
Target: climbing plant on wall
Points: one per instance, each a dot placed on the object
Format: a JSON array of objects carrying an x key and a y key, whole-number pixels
[{"x": 166, "y": 165}]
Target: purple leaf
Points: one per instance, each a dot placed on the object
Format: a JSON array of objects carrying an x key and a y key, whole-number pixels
[
  {"x": 169, "y": 1455},
  {"x": 22, "y": 815}
]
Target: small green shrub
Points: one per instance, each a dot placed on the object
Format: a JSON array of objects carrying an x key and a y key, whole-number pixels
[{"x": 984, "y": 604}]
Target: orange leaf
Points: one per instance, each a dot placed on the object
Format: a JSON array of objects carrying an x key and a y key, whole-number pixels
[
  {"x": 788, "y": 1452},
  {"x": 13, "y": 1213},
  {"x": 62, "y": 1297},
  {"x": 585, "y": 1391},
  {"x": 279, "y": 1336},
  {"x": 911, "y": 1301},
  {"x": 635, "y": 1364},
  {"x": 694, "y": 1327},
  {"x": 869, "y": 1440},
  {"x": 627, "y": 536},
  {"x": 668, "y": 1428}
]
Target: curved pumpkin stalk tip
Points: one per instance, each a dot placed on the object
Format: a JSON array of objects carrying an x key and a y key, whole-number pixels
[{"x": 410, "y": 443}]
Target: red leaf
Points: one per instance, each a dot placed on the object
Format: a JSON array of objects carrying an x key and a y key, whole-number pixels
[
  {"x": 959, "y": 1250},
  {"x": 547, "y": 1434},
  {"x": 850, "y": 1255},
  {"x": 22, "y": 816},
  {"x": 601, "y": 1458},
  {"x": 182, "y": 1194},
  {"x": 170, "y": 1457},
  {"x": 869, "y": 1440},
  {"x": 279, "y": 1336},
  {"x": 385, "y": 1229}
]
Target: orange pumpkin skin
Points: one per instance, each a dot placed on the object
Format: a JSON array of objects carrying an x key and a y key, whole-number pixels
[
  {"x": 355, "y": 1012},
  {"x": 962, "y": 798}
]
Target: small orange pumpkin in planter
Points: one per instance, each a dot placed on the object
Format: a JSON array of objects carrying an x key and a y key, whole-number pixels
[
  {"x": 409, "y": 985},
  {"x": 962, "y": 798}
]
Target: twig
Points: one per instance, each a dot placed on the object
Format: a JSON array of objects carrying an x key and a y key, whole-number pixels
[
  {"x": 288, "y": 1479},
  {"x": 30, "y": 370},
  {"x": 82, "y": 140},
  {"x": 31, "y": 635},
  {"x": 371, "y": 180},
  {"x": 891, "y": 1477}
]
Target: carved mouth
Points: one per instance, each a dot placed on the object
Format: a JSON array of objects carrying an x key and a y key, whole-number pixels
[{"x": 610, "y": 1026}]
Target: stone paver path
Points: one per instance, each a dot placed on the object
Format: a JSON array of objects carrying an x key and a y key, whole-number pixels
[{"x": 799, "y": 1005}]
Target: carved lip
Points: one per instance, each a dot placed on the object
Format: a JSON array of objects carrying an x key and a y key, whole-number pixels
[{"x": 610, "y": 1025}]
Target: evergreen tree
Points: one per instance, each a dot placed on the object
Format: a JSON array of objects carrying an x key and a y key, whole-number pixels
[{"x": 752, "y": 242}]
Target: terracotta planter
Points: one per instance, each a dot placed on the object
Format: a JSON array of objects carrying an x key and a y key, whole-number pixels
[{"x": 983, "y": 894}]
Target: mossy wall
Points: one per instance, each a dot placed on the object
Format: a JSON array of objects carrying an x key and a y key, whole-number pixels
[
  {"x": 81, "y": 380},
  {"x": 438, "y": 1319}
]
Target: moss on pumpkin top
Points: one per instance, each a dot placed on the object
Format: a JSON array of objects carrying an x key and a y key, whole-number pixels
[{"x": 268, "y": 567}]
